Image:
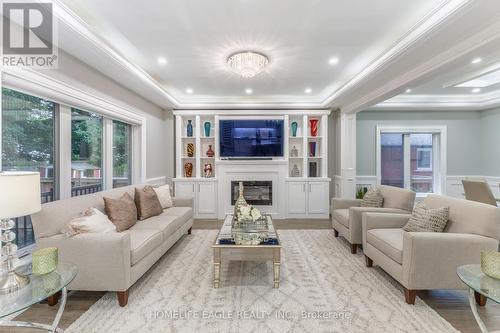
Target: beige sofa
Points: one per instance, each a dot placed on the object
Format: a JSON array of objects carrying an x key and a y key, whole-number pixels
[
  {"x": 347, "y": 213},
  {"x": 429, "y": 260},
  {"x": 111, "y": 261}
]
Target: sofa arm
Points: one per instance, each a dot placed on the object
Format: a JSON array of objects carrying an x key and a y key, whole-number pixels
[
  {"x": 356, "y": 223},
  {"x": 340, "y": 203},
  {"x": 183, "y": 202},
  {"x": 382, "y": 221},
  {"x": 102, "y": 259},
  {"x": 431, "y": 259}
]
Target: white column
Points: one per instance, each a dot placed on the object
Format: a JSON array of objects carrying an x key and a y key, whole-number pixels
[
  {"x": 64, "y": 159},
  {"x": 107, "y": 154},
  {"x": 345, "y": 155}
]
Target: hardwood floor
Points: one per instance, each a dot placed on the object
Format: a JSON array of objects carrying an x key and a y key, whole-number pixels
[{"x": 451, "y": 305}]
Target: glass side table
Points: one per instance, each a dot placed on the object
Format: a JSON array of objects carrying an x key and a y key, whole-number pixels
[
  {"x": 39, "y": 289},
  {"x": 481, "y": 288}
]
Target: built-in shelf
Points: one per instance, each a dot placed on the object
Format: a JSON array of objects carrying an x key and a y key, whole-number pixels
[
  {"x": 295, "y": 137},
  {"x": 207, "y": 137},
  {"x": 314, "y": 157},
  {"x": 295, "y": 158},
  {"x": 315, "y": 137},
  {"x": 207, "y": 158},
  {"x": 188, "y": 137}
]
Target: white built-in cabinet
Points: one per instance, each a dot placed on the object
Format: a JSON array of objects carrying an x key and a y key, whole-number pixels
[{"x": 305, "y": 195}]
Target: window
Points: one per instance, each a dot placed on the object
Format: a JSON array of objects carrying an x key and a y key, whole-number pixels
[
  {"x": 411, "y": 158},
  {"x": 122, "y": 152},
  {"x": 86, "y": 152},
  {"x": 28, "y": 145}
]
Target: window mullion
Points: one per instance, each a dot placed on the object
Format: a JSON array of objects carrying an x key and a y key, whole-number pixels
[
  {"x": 407, "y": 160},
  {"x": 107, "y": 143},
  {"x": 64, "y": 152}
]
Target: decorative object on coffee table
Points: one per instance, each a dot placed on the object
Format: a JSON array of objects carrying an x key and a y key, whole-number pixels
[
  {"x": 188, "y": 170},
  {"x": 240, "y": 201},
  {"x": 210, "y": 152},
  {"x": 207, "y": 169},
  {"x": 44, "y": 261},
  {"x": 295, "y": 171},
  {"x": 312, "y": 149},
  {"x": 490, "y": 263},
  {"x": 189, "y": 129},
  {"x": 294, "y": 128},
  {"x": 313, "y": 124},
  {"x": 190, "y": 149},
  {"x": 207, "y": 125},
  {"x": 294, "y": 152},
  {"x": 313, "y": 171},
  {"x": 19, "y": 196}
]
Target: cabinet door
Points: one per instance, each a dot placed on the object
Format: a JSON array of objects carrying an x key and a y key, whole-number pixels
[
  {"x": 318, "y": 198},
  {"x": 207, "y": 198},
  {"x": 185, "y": 189},
  {"x": 297, "y": 197}
]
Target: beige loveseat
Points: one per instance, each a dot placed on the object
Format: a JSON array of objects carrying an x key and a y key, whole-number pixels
[
  {"x": 346, "y": 213},
  {"x": 111, "y": 261},
  {"x": 429, "y": 260}
]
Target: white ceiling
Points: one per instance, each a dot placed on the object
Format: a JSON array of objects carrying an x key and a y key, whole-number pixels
[{"x": 372, "y": 40}]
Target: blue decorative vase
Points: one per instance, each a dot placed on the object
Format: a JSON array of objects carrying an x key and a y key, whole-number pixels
[
  {"x": 189, "y": 129},
  {"x": 294, "y": 128},
  {"x": 207, "y": 126}
]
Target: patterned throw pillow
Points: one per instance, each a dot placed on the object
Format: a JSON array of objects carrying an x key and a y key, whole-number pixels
[
  {"x": 147, "y": 203},
  {"x": 122, "y": 212},
  {"x": 373, "y": 198},
  {"x": 425, "y": 219},
  {"x": 163, "y": 194}
]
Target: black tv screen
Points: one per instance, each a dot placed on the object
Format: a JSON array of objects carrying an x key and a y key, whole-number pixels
[{"x": 251, "y": 138}]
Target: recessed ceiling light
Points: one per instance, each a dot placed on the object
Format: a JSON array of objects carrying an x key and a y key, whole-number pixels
[
  {"x": 333, "y": 61},
  {"x": 162, "y": 61},
  {"x": 476, "y": 61},
  {"x": 308, "y": 90},
  {"x": 248, "y": 91},
  {"x": 189, "y": 90},
  {"x": 476, "y": 90},
  {"x": 408, "y": 91}
]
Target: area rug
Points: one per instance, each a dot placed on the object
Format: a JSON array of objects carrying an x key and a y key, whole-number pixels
[{"x": 324, "y": 288}]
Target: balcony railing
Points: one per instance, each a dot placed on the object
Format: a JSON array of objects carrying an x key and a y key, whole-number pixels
[{"x": 87, "y": 189}]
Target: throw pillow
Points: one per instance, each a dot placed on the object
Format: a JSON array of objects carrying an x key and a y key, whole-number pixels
[
  {"x": 373, "y": 198},
  {"x": 122, "y": 212},
  {"x": 91, "y": 220},
  {"x": 147, "y": 203},
  {"x": 427, "y": 219},
  {"x": 163, "y": 194}
]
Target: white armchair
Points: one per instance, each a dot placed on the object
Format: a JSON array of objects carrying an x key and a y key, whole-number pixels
[
  {"x": 347, "y": 213},
  {"x": 428, "y": 260}
]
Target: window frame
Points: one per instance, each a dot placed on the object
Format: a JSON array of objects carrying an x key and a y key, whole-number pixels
[{"x": 439, "y": 156}]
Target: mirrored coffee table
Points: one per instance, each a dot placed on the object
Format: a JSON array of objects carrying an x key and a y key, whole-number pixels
[
  {"x": 247, "y": 243},
  {"x": 481, "y": 287},
  {"x": 39, "y": 289}
]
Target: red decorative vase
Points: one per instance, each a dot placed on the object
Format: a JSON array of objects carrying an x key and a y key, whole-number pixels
[
  {"x": 210, "y": 152},
  {"x": 313, "y": 124},
  {"x": 188, "y": 170}
]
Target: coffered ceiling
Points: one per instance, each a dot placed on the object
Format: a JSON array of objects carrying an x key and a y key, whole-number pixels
[{"x": 378, "y": 45}]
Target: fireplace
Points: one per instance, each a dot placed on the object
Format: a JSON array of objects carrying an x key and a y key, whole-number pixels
[{"x": 258, "y": 193}]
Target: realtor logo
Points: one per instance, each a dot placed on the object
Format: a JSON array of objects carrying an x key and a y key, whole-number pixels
[{"x": 28, "y": 34}]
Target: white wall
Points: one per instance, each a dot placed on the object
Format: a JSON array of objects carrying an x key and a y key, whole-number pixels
[
  {"x": 490, "y": 143},
  {"x": 159, "y": 123}
]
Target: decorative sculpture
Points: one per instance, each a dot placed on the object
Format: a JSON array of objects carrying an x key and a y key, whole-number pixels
[
  {"x": 207, "y": 169},
  {"x": 190, "y": 149},
  {"x": 314, "y": 126},
  {"x": 188, "y": 170}
]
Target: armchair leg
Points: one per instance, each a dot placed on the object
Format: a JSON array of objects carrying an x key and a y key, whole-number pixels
[
  {"x": 335, "y": 233},
  {"x": 480, "y": 299},
  {"x": 354, "y": 248},
  {"x": 189, "y": 230},
  {"x": 410, "y": 296},
  {"x": 369, "y": 262},
  {"x": 122, "y": 297}
]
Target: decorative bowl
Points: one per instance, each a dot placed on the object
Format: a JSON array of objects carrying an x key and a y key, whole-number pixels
[
  {"x": 490, "y": 263},
  {"x": 44, "y": 261}
]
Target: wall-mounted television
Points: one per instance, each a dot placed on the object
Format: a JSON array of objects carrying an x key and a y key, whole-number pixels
[{"x": 251, "y": 137}]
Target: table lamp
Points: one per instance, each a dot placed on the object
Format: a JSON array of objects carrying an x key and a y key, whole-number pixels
[{"x": 19, "y": 196}]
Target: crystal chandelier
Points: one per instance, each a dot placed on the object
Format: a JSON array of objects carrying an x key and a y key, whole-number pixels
[{"x": 248, "y": 63}]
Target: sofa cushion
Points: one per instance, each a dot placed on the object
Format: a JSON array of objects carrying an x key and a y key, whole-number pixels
[
  {"x": 122, "y": 212},
  {"x": 167, "y": 224},
  {"x": 184, "y": 213},
  {"x": 142, "y": 242},
  {"x": 147, "y": 203},
  {"x": 425, "y": 219},
  {"x": 373, "y": 198},
  {"x": 388, "y": 241},
  {"x": 341, "y": 216},
  {"x": 395, "y": 197}
]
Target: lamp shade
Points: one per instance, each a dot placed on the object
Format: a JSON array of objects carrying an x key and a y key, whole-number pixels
[{"x": 19, "y": 194}]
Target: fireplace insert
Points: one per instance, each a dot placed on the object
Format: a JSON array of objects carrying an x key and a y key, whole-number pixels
[{"x": 258, "y": 193}]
